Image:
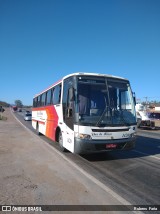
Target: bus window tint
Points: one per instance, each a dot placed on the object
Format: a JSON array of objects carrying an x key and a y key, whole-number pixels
[
  {"x": 48, "y": 98},
  {"x": 35, "y": 101},
  {"x": 43, "y": 99},
  {"x": 39, "y": 101},
  {"x": 57, "y": 94}
]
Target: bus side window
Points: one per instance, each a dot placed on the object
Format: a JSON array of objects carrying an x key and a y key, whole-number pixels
[
  {"x": 48, "y": 98},
  {"x": 35, "y": 101},
  {"x": 57, "y": 95},
  {"x": 70, "y": 102},
  {"x": 43, "y": 99},
  {"x": 39, "y": 101},
  {"x": 67, "y": 101}
]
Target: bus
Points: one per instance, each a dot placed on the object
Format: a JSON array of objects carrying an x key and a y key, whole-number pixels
[{"x": 87, "y": 113}]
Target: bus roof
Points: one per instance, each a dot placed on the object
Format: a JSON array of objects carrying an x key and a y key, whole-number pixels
[
  {"x": 93, "y": 74},
  {"x": 82, "y": 74}
]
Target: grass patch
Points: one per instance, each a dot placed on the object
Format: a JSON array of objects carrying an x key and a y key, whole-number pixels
[{"x": 3, "y": 118}]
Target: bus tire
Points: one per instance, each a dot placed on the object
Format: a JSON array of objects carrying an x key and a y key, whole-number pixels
[{"x": 60, "y": 141}]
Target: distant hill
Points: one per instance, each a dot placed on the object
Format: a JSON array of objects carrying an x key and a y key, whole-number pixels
[{"x": 4, "y": 104}]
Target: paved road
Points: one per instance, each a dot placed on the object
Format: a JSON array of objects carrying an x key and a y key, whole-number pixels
[
  {"x": 134, "y": 175},
  {"x": 32, "y": 172}
]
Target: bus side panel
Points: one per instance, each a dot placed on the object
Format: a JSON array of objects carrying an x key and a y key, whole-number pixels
[
  {"x": 39, "y": 117},
  {"x": 34, "y": 123},
  {"x": 47, "y": 119}
]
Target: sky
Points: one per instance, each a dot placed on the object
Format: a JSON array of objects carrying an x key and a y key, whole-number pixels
[{"x": 43, "y": 40}]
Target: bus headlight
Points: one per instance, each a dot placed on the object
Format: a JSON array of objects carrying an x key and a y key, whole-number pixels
[{"x": 82, "y": 136}]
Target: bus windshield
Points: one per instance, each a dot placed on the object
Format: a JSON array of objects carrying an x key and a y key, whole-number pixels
[{"x": 104, "y": 101}]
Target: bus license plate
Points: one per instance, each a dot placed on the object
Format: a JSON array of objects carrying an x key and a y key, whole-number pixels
[{"x": 111, "y": 146}]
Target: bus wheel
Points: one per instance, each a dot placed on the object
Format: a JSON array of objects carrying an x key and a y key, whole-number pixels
[{"x": 60, "y": 141}]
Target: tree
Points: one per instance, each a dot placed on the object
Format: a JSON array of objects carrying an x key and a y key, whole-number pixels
[{"x": 18, "y": 103}]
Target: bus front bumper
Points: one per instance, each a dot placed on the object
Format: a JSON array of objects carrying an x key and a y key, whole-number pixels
[{"x": 84, "y": 146}]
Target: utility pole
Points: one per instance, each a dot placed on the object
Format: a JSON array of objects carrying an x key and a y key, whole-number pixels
[
  {"x": 146, "y": 99},
  {"x": 146, "y": 102}
]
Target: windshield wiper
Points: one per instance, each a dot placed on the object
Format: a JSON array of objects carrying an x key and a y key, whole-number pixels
[
  {"x": 102, "y": 116},
  {"x": 118, "y": 114}
]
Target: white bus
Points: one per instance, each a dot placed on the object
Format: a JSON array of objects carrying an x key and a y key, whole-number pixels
[{"x": 87, "y": 112}]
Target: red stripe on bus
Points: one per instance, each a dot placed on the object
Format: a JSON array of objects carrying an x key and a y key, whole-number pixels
[{"x": 52, "y": 122}]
